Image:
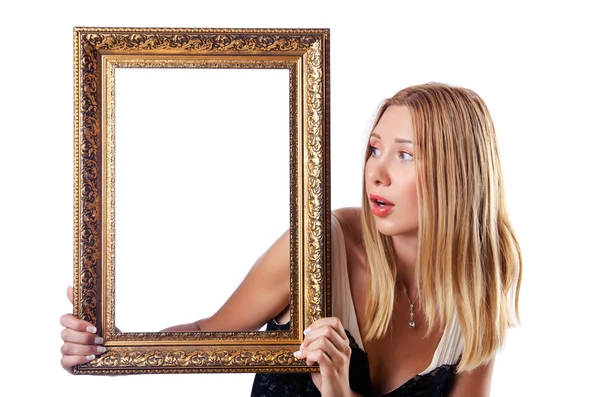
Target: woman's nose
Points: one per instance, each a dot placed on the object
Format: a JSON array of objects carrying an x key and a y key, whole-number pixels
[{"x": 378, "y": 172}]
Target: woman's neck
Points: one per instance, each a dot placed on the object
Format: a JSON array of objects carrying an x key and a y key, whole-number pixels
[{"x": 405, "y": 250}]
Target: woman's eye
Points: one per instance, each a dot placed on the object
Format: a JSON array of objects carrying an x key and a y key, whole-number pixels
[
  {"x": 374, "y": 151},
  {"x": 405, "y": 156}
]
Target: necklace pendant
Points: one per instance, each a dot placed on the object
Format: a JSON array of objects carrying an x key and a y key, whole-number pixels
[{"x": 411, "y": 305}]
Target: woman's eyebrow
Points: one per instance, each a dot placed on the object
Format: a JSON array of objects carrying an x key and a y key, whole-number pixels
[{"x": 396, "y": 140}]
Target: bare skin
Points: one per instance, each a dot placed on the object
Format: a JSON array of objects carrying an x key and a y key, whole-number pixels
[{"x": 402, "y": 353}]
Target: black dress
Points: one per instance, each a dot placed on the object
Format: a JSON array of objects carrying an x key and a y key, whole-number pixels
[{"x": 436, "y": 383}]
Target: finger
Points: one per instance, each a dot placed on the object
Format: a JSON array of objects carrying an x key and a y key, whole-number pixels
[
  {"x": 69, "y": 335},
  {"x": 332, "y": 322},
  {"x": 310, "y": 351},
  {"x": 336, "y": 356},
  {"x": 70, "y": 293},
  {"x": 339, "y": 356},
  {"x": 329, "y": 333},
  {"x": 75, "y": 349},
  {"x": 70, "y": 321},
  {"x": 68, "y": 362},
  {"x": 319, "y": 356}
]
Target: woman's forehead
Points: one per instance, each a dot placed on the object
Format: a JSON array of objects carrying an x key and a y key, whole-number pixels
[{"x": 395, "y": 123}]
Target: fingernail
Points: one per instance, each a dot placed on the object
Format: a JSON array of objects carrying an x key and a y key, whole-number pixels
[
  {"x": 100, "y": 349},
  {"x": 301, "y": 347},
  {"x": 90, "y": 329},
  {"x": 90, "y": 357},
  {"x": 307, "y": 330},
  {"x": 98, "y": 340},
  {"x": 297, "y": 353}
]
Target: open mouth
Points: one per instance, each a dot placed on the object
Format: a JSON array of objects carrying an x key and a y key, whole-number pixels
[
  {"x": 381, "y": 207},
  {"x": 379, "y": 201}
]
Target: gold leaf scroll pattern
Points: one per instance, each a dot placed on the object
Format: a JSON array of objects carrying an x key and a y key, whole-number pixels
[
  {"x": 109, "y": 145},
  {"x": 315, "y": 191},
  {"x": 200, "y": 43},
  {"x": 90, "y": 156},
  {"x": 192, "y": 358}
]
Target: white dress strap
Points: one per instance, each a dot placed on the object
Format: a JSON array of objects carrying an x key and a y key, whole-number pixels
[
  {"x": 450, "y": 347},
  {"x": 342, "y": 303}
]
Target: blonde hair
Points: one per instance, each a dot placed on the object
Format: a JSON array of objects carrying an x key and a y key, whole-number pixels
[{"x": 469, "y": 259}]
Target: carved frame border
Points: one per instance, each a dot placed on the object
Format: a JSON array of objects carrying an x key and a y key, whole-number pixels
[{"x": 97, "y": 51}]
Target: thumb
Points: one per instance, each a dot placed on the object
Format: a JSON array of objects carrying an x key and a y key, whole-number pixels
[{"x": 70, "y": 294}]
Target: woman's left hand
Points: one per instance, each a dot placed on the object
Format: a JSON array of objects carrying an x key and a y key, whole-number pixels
[{"x": 326, "y": 343}]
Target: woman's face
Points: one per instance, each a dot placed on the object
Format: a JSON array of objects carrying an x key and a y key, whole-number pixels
[{"x": 390, "y": 176}]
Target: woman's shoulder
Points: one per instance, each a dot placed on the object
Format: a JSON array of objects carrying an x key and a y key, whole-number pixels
[{"x": 349, "y": 218}]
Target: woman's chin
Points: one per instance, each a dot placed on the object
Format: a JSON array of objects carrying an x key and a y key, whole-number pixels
[{"x": 391, "y": 230}]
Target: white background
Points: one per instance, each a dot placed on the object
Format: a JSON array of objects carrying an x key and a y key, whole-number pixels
[{"x": 535, "y": 63}]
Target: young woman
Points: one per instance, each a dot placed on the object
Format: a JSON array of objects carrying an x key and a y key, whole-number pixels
[{"x": 426, "y": 275}]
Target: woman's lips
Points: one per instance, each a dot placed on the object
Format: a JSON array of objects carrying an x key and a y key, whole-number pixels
[{"x": 380, "y": 206}]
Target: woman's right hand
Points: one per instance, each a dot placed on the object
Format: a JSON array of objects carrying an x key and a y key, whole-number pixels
[{"x": 80, "y": 342}]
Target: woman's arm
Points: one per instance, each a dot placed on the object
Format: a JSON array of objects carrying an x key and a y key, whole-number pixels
[
  {"x": 263, "y": 294},
  {"x": 475, "y": 383}
]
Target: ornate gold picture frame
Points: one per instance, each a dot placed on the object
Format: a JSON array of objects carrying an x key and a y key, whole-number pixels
[{"x": 98, "y": 54}]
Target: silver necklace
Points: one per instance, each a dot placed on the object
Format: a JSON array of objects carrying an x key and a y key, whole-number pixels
[{"x": 411, "y": 318}]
